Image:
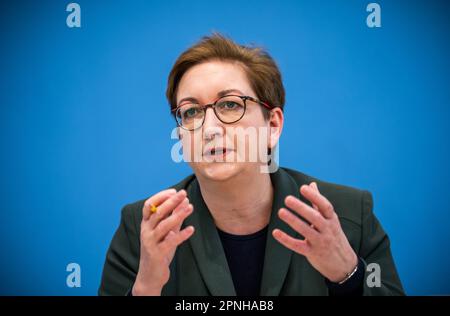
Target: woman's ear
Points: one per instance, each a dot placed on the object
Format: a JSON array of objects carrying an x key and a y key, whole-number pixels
[{"x": 276, "y": 120}]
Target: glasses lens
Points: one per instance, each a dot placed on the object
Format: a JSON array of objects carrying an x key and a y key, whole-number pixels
[
  {"x": 230, "y": 109},
  {"x": 190, "y": 116}
]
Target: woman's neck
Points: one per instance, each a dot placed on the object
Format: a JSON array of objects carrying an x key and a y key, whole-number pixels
[{"x": 241, "y": 205}]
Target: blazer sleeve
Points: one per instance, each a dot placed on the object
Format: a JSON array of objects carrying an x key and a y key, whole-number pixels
[
  {"x": 375, "y": 252},
  {"x": 122, "y": 258}
]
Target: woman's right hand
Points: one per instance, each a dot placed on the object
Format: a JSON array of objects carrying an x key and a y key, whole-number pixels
[{"x": 160, "y": 237}]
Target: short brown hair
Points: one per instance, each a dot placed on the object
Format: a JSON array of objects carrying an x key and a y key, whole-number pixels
[{"x": 261, "y": 69}]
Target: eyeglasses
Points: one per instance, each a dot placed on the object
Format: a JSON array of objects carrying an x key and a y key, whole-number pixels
[{"x": 228, "y": 109}]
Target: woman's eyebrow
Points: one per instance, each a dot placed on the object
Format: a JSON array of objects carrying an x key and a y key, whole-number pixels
[
  {"x": 190, "y": 99},
  {"x": 228, "y": 91},
  {"x": 219, "y": 94}
]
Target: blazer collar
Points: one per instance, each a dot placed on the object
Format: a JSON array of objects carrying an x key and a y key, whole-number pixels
[{"x": 208, "y": 251}]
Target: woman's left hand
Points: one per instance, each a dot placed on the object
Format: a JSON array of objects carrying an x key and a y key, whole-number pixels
[{"x": 325, "y": 245}]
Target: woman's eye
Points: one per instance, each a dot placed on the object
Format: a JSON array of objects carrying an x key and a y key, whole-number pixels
[
  {"x": 229, "y": 105},
  {"x": 190, "y": 113}
]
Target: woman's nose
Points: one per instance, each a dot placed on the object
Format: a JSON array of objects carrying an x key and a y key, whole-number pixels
[
  {"x": 211, "y": 118},
  {"x": 212, "y": 125}
]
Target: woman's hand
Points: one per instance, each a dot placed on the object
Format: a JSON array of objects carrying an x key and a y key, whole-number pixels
[
  {"x": 160, "y": 236},
  {"x": 325, "y": 245}
]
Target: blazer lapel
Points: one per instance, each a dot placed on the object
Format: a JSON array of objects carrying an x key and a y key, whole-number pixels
[
  {"x": 277, "y": 257},
  {"x": 207, "y": 247}
]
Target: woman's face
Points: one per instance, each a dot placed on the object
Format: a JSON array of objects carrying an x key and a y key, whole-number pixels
[{"x": 204, "y": 83}]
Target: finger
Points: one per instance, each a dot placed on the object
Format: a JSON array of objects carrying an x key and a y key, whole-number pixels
[
  {"x": 325, "y": 207},
  {"x": 171, "y": 223},
  {"x": 167, "y": 206},
  {"x": 307, "y": 212},
  {"x": 182, "y": 205},
  {"x": 298, "y": 225},
  {"x": 299, "y": 246},
  {"x": 313, "y": 185},
  {"x": 156, "y": 199},
  {"x": 180, "y": 208},
  {"x": 174, "y": 240},
  {"x": 314, "y": 205}
]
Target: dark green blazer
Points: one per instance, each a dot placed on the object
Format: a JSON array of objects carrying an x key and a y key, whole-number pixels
[{"x": 200, "y": 267}]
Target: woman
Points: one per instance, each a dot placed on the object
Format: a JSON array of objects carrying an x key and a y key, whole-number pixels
[{"x": 232, "y": 228}]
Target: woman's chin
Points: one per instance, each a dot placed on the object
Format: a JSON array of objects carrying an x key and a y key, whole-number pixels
[{"x": 218, "y": 171}]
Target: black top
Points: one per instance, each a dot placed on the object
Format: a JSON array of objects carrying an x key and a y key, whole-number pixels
[{"x": 245, "y": 256}]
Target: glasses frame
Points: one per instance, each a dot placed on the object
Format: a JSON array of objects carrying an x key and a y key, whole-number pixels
[{"x": 212, "y": 105}]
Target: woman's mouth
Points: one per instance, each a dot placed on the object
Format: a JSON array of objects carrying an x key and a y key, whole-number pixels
[{"x": 217, "y": 152}]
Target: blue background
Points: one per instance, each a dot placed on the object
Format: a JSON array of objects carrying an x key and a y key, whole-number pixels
[{"x": 85, "y": 127}]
